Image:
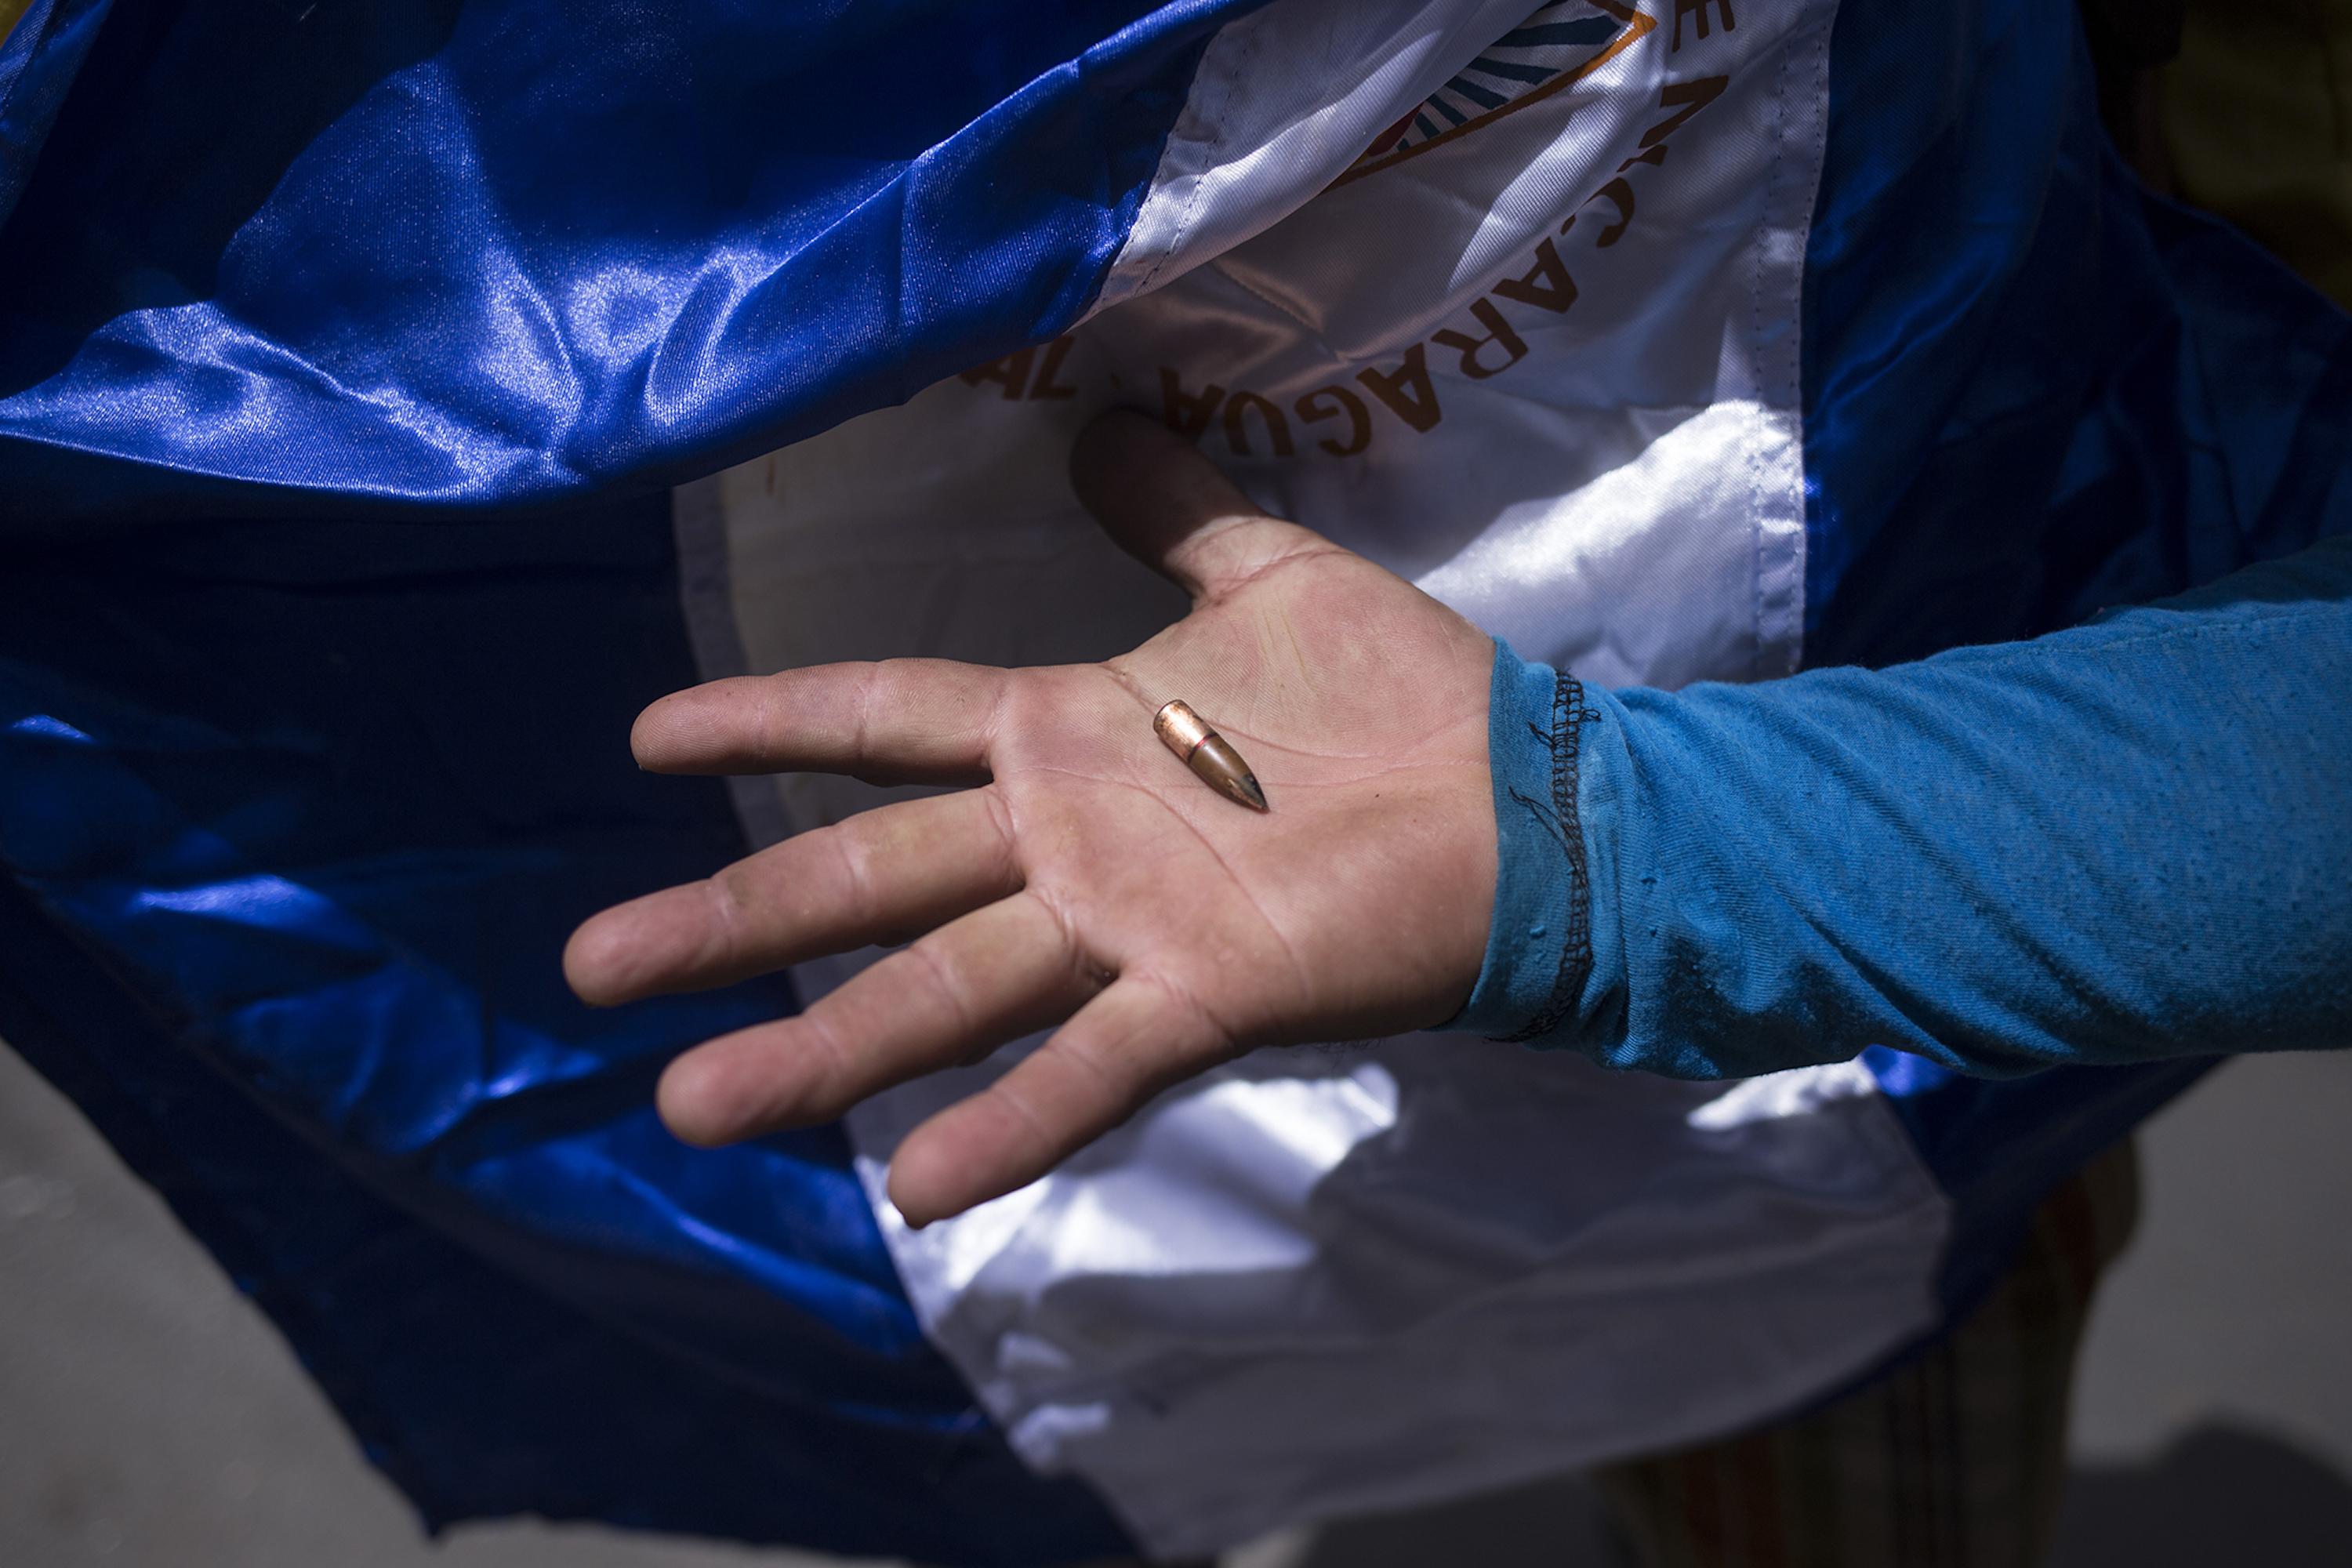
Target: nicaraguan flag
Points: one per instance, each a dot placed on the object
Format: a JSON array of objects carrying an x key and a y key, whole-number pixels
[{"x": 394, "y": 398}]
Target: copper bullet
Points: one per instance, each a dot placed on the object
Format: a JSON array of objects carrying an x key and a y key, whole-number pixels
[{"x": 1210, "y": 756}]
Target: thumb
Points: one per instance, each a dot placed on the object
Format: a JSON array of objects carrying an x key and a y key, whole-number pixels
[{"x": 1165, "y": 504}]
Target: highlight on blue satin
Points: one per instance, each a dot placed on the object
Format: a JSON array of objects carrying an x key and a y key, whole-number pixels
[
  {"x": 295, "y": 817},
  {"x": 295, "y": 813},
  {"x": 485, "y": 253}
]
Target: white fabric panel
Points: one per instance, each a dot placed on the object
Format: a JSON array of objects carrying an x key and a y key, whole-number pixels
[
  {"x": 1316, "y": 1282},
  {"x": 1283, "y": 100}
]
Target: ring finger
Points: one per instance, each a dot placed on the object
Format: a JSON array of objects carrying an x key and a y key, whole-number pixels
[{"x": 970, "y": 986}]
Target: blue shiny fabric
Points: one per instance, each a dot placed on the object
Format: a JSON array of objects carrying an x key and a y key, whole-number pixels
[
  {"x": 2032, "y": 391},
  {"x": 295, "y": 817},
  {"x": 302, "y": 787},
  {"x": 296, "y": 805},
  {"x": 38, "y": 61},
  {"x": 483, "y": 253}
]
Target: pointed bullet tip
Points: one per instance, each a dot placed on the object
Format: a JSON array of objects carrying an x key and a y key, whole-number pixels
[{"x": 1215, "y": 761}]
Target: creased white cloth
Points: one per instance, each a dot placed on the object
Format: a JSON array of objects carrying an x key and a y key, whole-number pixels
[{"x": 1316, "y": 1282}]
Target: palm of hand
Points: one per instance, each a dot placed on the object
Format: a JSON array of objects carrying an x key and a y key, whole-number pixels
[
  {"x": 1093, "y": 874},
  {"x": 1362, "y": 706}
]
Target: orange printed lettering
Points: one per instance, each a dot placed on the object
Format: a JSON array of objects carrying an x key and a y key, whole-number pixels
[
  {"x": 1407, "y": 392},
  {"x": 1696, "y": 11},
  {"x": 1498, "y": 332},
  {"x": 1187, "y": 413},
  {"x": 1046, "y": 388},
  {"x": 1617, "y": 190},
  {"x": 1011, "y": 373},
  {"x": 1693, "y": 96},
  {"x": 1329, "y": 403},
  {"x": 1547, "y": 287},
  {"x": 1278, "y": 428}
]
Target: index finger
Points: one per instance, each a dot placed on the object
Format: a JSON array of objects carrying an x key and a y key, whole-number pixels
[{"x": 902, "y": 720}]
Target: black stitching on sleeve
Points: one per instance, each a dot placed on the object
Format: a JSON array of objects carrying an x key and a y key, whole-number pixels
[{"x": 1566, "y": 740}]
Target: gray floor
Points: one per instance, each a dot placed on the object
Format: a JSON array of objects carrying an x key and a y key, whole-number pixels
[{"x": 149, "y": 1418}]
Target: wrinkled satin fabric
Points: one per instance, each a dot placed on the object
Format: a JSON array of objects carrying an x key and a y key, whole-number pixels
[
  {"x": 295, "y": 813},
  {"x": 295, "y": 817},
  {"x": 504, "y": 252}
]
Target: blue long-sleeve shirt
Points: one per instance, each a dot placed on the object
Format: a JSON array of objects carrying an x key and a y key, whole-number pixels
[{"x": 2126, "y": 840}]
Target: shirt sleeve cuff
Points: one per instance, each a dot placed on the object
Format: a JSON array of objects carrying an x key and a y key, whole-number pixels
[{"x": 1553, "y": 973}]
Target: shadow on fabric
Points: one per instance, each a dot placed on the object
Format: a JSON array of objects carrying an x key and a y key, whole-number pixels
[{"x": 127, "y": 240}]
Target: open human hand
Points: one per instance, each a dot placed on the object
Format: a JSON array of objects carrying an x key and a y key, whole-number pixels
[{"x": 1089, "y": 881}]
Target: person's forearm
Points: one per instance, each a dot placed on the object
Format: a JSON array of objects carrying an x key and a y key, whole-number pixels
[{"x": 2128, "y": 840}]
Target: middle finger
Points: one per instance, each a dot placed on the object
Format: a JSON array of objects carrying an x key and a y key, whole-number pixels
[{"x": 878, "y": 877}]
